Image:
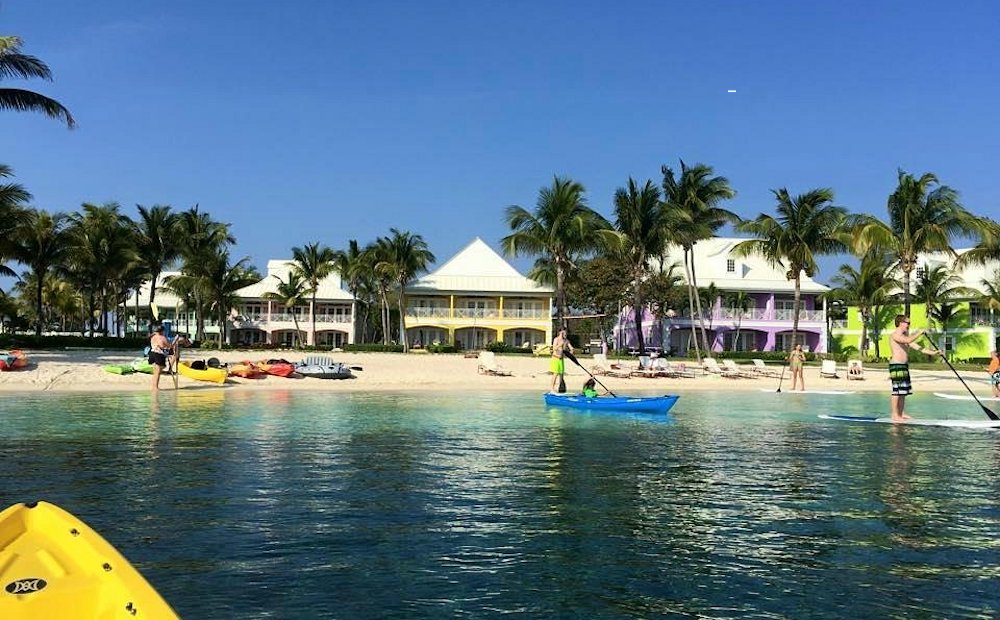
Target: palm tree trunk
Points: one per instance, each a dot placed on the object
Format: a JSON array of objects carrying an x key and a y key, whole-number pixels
[
  {"x": 637, "y": 311},
  {"x": 906, "y": 290},
  {"x": 222, "y": 326},
  {"x": 38, "y": 305},
  {"x": 560, "y": 296},
  {"x": 691, "y": 295},
  {"x": 796, "y": 305},
  {"x": 402, "y": 324},
  {"x": 312, "y": 315},
  {"x": 295, "y": 321},
  {"x": 697, "y": 301}
]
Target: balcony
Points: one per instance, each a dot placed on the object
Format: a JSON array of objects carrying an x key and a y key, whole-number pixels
[
  {"x": 475, "y": 314},
  {"x": 758, "y": 314}
]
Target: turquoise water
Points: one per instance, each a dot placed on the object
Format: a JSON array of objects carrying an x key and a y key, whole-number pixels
[{"x": 739, "y": 505}]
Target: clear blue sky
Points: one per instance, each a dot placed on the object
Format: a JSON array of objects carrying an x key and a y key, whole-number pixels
[{"x": 310, "y": 121}]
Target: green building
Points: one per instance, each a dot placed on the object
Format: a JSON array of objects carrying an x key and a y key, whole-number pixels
[{"x": 970, "y": 330}]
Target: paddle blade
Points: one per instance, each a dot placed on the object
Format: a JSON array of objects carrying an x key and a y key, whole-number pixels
[
  {"x": 562, "y": 385},
  {"x": 155, "y": 310}
]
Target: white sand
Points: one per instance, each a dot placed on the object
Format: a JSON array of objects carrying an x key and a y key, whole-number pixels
[{"x": 81, "y": 370}]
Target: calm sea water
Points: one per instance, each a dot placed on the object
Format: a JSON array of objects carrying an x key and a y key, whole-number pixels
[{"x": 290, "y": 505}]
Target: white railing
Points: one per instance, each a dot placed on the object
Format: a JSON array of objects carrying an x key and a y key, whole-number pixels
[
  {"x": 838, "y": 324},
  {"x": 751, "y": 314},
  {"x": 333, "y": 318},
  {"x": 783, "y": 314},
  {"x": 288, "y": 317},
  {"x": 476, "y": 313},
  {"x": 424, "y": 313},
  {"x": 526, "y": 314}
]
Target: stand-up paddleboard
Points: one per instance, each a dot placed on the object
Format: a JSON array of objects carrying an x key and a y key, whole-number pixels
[
  {"x": 916, "y": 422},
  {"x": 827, "y": 392},
  {"x": 53, "y": 566},
  {"x": 964, "y": 397}
]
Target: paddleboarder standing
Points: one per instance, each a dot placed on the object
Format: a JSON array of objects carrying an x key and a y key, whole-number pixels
[
  {"x": 557, "y": 364},
  {"x": 900, "y": 341}
]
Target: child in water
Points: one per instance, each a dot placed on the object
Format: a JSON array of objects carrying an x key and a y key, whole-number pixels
[{"x": 590, "y": 388}]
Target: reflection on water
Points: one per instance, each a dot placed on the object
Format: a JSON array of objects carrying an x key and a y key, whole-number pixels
[{"x": 282, "y": 505}]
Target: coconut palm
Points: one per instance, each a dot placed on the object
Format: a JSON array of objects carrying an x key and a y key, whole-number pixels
[
  {"x": 18, "y": 65},
  {"x": 924, "y": 216},
  {"x": 102, "y": 247},
  {"x": 13, "y": 200},
  {"x": 313, "y": 263},
  {"x": 866, "y": 287},
  {"x": 806, "y": 226},
  {"x": 694, "y": 199},
  {"x": 42, "y": 243},
  {"x": 290, "y": 294},
  {"x": 407, "y": 256},
  {"x": 937, "y": 285},
  {"x": 639, "y": 221},
  {"x": 562, "y": 228},
  {"x": 221, "y": 281},
  {"x": 156, "y": 241},
  {"x": 739, "y": 303},
  {"x": 353, "y": 269},
  {"x": 377, "y": 255},
  {"x": 201, "y": 240}
]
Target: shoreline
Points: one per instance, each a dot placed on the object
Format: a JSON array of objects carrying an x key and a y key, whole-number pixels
[{"x": 81, "y": 371}]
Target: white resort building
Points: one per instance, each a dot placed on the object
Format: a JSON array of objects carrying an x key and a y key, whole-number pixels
[
  {"x": 477, "y": 298},
  {"x": 258, "y": 320}
]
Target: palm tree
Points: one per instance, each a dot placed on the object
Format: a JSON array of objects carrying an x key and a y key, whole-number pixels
[
  {"x": 694, "y": 200},
  {"x": 922, "y": 218},
  {"x": 102, "y": 247},
  {"x": 15, "y": 64},
  {"x": 378, "y": 257},
  {"x": 407, "y": 256},
  {"x": 313, "y": 263},
  {"x": 739, "y": 303},
  {"x": 562, "y": 228},
  {"x": 936, "y": 285},
  {"x": 13, "y": 199},
  {"x": 807, "y": 226},
  {"x": 201, "y": 239},
  {"x": 42, "y": 243},
  {"x": 222, "y": 281},
  {"x": 352, "y": 266},
  {"x": 291, "y": 293},
  {"x": 157, "y": 242},
  {"x": 639, "y": 221},
  {"x": 866, "y": 287}
]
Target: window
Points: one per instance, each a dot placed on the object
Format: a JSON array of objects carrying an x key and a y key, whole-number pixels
[{"x": 730, "y": 265}]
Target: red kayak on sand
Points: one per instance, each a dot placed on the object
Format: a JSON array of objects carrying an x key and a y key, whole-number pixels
[
  {"x": 278, "y": 368},
  {"x": 13, "y": 360}
]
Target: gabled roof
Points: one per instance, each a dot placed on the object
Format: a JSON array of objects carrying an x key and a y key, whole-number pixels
[
  {"x": 751, "y": 274},
  {"x": 329, "y": 287},
  {"x": 476, "y": 268}
]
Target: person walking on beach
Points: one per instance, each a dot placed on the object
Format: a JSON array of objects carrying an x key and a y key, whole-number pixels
[
  {"x": 159, "y": 350},
  {"x": 994, "y": 370},
  {"x": 557, "y": 364},
  {"x": 899, "y": 365},
  {"x": 796, "y": 361}
]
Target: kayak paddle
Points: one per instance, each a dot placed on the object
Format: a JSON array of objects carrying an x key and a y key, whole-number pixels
[
  {"x": 783, "y": 367},
  {"x": 989, "y": 412},
  {"x": 577, "y": 362}
]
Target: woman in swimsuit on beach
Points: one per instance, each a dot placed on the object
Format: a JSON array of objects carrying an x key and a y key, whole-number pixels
[{"x": 796, "y": 359}]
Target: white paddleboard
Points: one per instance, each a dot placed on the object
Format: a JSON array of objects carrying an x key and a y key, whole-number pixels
[
  {"x": 827, "y": 392},
  {"x": 916, "y": 422},
  {"x": 964, "y": 397}
]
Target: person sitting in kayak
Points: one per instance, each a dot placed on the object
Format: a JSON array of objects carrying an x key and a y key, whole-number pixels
[
  {"x": 590, "y": 388},
  {"x": 994, "y": 370}
]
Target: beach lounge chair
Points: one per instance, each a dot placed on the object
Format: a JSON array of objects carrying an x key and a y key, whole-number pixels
[
  {"x": 603, "y": 367},
  {"x": 829, "y": 369},
  {"x": 762, "y": 370},
  {"x": 710, "y": 364},
  {"x": 488, "y": 365},
  {"x": 740, "y": 370},
  {"x": 855, "y": 370},
  {"x": 682, "y": 369},
  {"x": 542, "y": 350},
  {"x": 645, "y": 368},
  {"x": 318, "y": 360}
]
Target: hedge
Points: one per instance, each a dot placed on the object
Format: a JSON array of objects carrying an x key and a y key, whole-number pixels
[{"x": 373, "y": 347}]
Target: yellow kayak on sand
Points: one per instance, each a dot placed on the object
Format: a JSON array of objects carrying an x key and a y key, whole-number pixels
[
  {"x": 213, "y": 375},
  {"x": 52, "y": 565}
]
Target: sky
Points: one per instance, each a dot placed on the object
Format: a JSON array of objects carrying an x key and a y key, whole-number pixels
[{"x": 306, "y": 121}]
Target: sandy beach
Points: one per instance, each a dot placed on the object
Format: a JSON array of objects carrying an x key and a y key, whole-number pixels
[{"x": 81, "y": 370}]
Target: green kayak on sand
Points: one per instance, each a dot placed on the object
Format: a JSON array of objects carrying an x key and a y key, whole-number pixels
[{"x": 119, "y": 369}]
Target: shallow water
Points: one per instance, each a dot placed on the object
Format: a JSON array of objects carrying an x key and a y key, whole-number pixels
[{"x": 291, "y": 505}]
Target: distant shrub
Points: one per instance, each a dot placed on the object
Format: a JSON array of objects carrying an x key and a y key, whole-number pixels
[
  {"x": 441, "y": 348},
  {"x": 374, "y": 348}
]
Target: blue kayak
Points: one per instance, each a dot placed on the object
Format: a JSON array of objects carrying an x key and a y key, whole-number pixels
[{"x": 645, "y": 404}]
